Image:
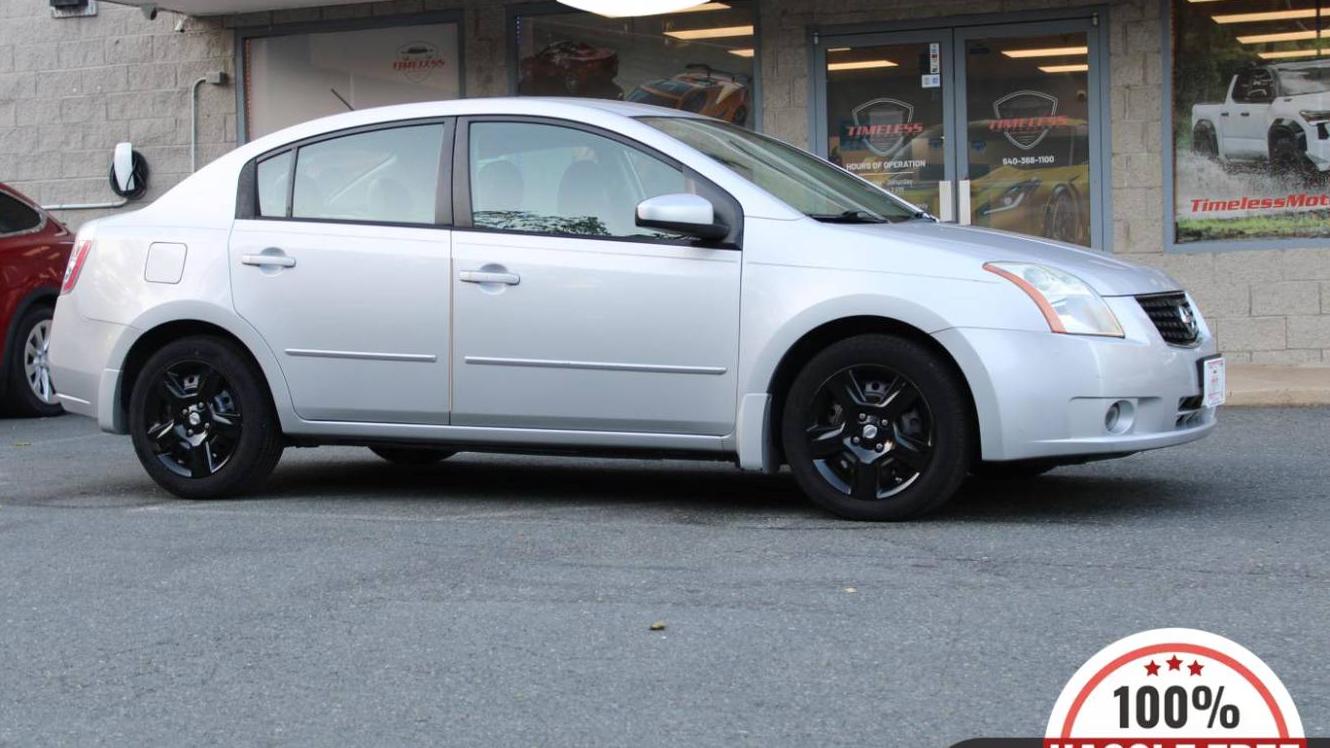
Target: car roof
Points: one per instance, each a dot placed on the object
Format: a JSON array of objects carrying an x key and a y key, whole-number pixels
[{"x": 577, "y": 109}]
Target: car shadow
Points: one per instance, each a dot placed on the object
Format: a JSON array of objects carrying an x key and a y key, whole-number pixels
[{"x": 700, "y": 489}]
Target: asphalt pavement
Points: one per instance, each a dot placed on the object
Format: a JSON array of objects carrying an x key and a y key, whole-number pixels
[{"x": 497, "y": 600}]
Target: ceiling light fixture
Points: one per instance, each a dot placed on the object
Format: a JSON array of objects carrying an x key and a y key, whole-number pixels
[
  {"x": 1046, "y": 52},
  {"x": 1283, "y": 36},
  {"x": 741, "y": 52},
  {"x": 1289, "y": 54},
  {"x": 1273, "y": 15},
  {"x": 861, "y": 65},
  {"x": 719, "y": 32},
  {"x": 1064, "y": 68},
  {"x": 626, "y": 8}
]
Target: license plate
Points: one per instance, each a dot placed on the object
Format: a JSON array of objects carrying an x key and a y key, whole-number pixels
[{"x": 1214, "y": 382}]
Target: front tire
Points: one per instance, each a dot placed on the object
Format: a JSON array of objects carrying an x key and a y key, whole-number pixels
[
  {"x": 202, "y": 420},
  {"x": 412, "y": 456},
  {"x": 29, "y": 392},
  {"x": 877, "y": 428}
]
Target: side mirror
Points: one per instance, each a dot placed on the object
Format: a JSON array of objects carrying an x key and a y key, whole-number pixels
[
  {"x": 681, "y": 213},
  {"x": 129, "y": 172}
]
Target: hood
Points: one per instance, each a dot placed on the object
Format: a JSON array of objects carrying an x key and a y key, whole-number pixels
[{"x": 1107, "y": 275}]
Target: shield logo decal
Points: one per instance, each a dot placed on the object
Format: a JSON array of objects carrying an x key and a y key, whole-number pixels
[
  {"x": 1026, "y": 117},
  {"x": 417, "y": 60},
  {"x": 883, "y": 124}
]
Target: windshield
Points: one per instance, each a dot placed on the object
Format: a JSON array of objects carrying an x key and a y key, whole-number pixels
[
  {"x": 805, "y": 182},
  {"x": 1301, "y": 81}
]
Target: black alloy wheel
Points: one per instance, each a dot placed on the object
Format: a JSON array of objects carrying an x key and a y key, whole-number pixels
[
  {"x": 202, "y": 420},
  {"x": 871, "y": 433},
  {"x": 878, "y": 427},
  {"x": 194, "y": 422}
]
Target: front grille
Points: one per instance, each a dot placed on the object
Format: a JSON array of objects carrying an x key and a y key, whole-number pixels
[{"x": 1173, "y": 317}]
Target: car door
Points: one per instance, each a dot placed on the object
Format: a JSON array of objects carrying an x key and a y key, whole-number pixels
[
  {"x": 566, "y": 314},
  {"x": 342, "y": 264},
  {"x": 1244, "y": 120}
]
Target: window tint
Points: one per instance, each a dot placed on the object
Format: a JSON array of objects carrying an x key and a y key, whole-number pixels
[
  {"x": 273, "y": 177},
  {"x": 389, "y": 176},
  {"x": 558, "y": 180},
  {"x": 16, "y": 217}
]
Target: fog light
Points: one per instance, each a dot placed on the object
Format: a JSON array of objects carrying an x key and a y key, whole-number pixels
[{"x": 1119, "y": 418}]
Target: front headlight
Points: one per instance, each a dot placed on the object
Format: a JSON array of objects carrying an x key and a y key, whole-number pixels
[
  {"x": 1069, "y": 305},
  {"x": 1314, "y": 116}
]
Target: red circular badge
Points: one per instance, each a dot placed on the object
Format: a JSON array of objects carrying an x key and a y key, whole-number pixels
[{"x": 1174, "y": 688}]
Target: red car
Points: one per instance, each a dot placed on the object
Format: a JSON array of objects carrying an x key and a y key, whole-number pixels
[{"x": 34, "y": 248}]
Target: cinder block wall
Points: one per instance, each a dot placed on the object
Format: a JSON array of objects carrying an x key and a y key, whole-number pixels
[{"x": 70, "y": 89}]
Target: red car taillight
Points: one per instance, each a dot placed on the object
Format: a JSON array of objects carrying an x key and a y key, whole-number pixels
[{"x": 75, "y": 266}]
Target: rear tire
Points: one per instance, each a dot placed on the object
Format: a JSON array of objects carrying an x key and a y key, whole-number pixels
[
  {"x": 29, "y": 392},
  {"x": 412, "y": 456},
  {"x": 202, "y": 420},
  {"x": 877, "y": 428}
]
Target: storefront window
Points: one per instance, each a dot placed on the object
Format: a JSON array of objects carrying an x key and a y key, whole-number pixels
[
  {"x": 983, "y": 126},
  {"x": 293, "y": 78},
  {"x": 700, "y": 60},
  {"x": 1251, "y": 106}
]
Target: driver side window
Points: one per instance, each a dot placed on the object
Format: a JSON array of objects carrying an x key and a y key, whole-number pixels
[
  {"x": 548, "y": 179},
  {"x": 382, "y": 176}
]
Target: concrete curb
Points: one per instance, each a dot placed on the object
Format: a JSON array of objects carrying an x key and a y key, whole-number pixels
[{"x": 1250, "y": 385}]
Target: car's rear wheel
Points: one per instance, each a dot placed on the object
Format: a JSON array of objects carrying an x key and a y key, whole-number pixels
[
  {"x": 29, "y": 391},
  {"x": 877, "y": 427},
  {"x": 202, "y": 421},
  {"x": 412, "y": 456}
]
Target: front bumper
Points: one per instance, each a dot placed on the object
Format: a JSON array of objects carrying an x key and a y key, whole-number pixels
[{"x": 1043, "y": 395}]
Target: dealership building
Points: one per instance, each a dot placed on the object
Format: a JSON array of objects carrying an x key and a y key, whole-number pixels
[{"x": 1187, "y": 134}]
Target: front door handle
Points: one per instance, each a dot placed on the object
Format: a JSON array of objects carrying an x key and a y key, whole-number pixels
[
  {"x": 488, "y": 276},
  {"x": 1245, "y": 114},
  {"x": 268, "y": 260}
]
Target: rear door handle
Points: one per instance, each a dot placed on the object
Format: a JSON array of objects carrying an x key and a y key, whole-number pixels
[
  {"x": 268, "y": 260},
  {"x": 1245, "y": 114},
  {"x": 486, "y": 276},
  {"x": 1223, "y": 114}
]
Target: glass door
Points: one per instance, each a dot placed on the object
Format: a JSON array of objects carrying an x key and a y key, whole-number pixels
[
  {"x": 984, "y": 125},
  {"x": 1028, "y": 110},
  {"x": 887, "y": 113}
]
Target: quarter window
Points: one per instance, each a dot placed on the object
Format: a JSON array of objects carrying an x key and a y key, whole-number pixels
[
  {"x": 16, "y": 217},
  {"x": 383, "y": 176},
  {"x": 560, "y": 180},
  {"x": 274, "y": 178}
]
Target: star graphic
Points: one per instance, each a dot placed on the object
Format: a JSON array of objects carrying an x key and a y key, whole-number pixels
[
  {"x": 1152, "y": 668},
  {"x": 1195, "y": 667},
  {"x": 1174, "y": 663}
]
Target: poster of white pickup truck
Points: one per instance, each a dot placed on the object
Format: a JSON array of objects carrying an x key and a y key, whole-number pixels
[{"x": 1275, "y": 115}]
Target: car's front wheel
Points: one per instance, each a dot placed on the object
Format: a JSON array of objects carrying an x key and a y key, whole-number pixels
[
  {"x": 877, "y": 427},
  {"x": 202, "y": 421}
]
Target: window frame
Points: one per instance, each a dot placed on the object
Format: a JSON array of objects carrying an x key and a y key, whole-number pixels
[
  {"x": 41, "y": 217},
  {"x": 727, "y": 208},
  {"x": 247, "y": 194}
]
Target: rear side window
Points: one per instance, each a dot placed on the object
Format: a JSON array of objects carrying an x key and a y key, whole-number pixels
[
  {"x": 16, "y": 217},
  {"x": 274, "y": 178},
  {"x": 384, "y": 176}
]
